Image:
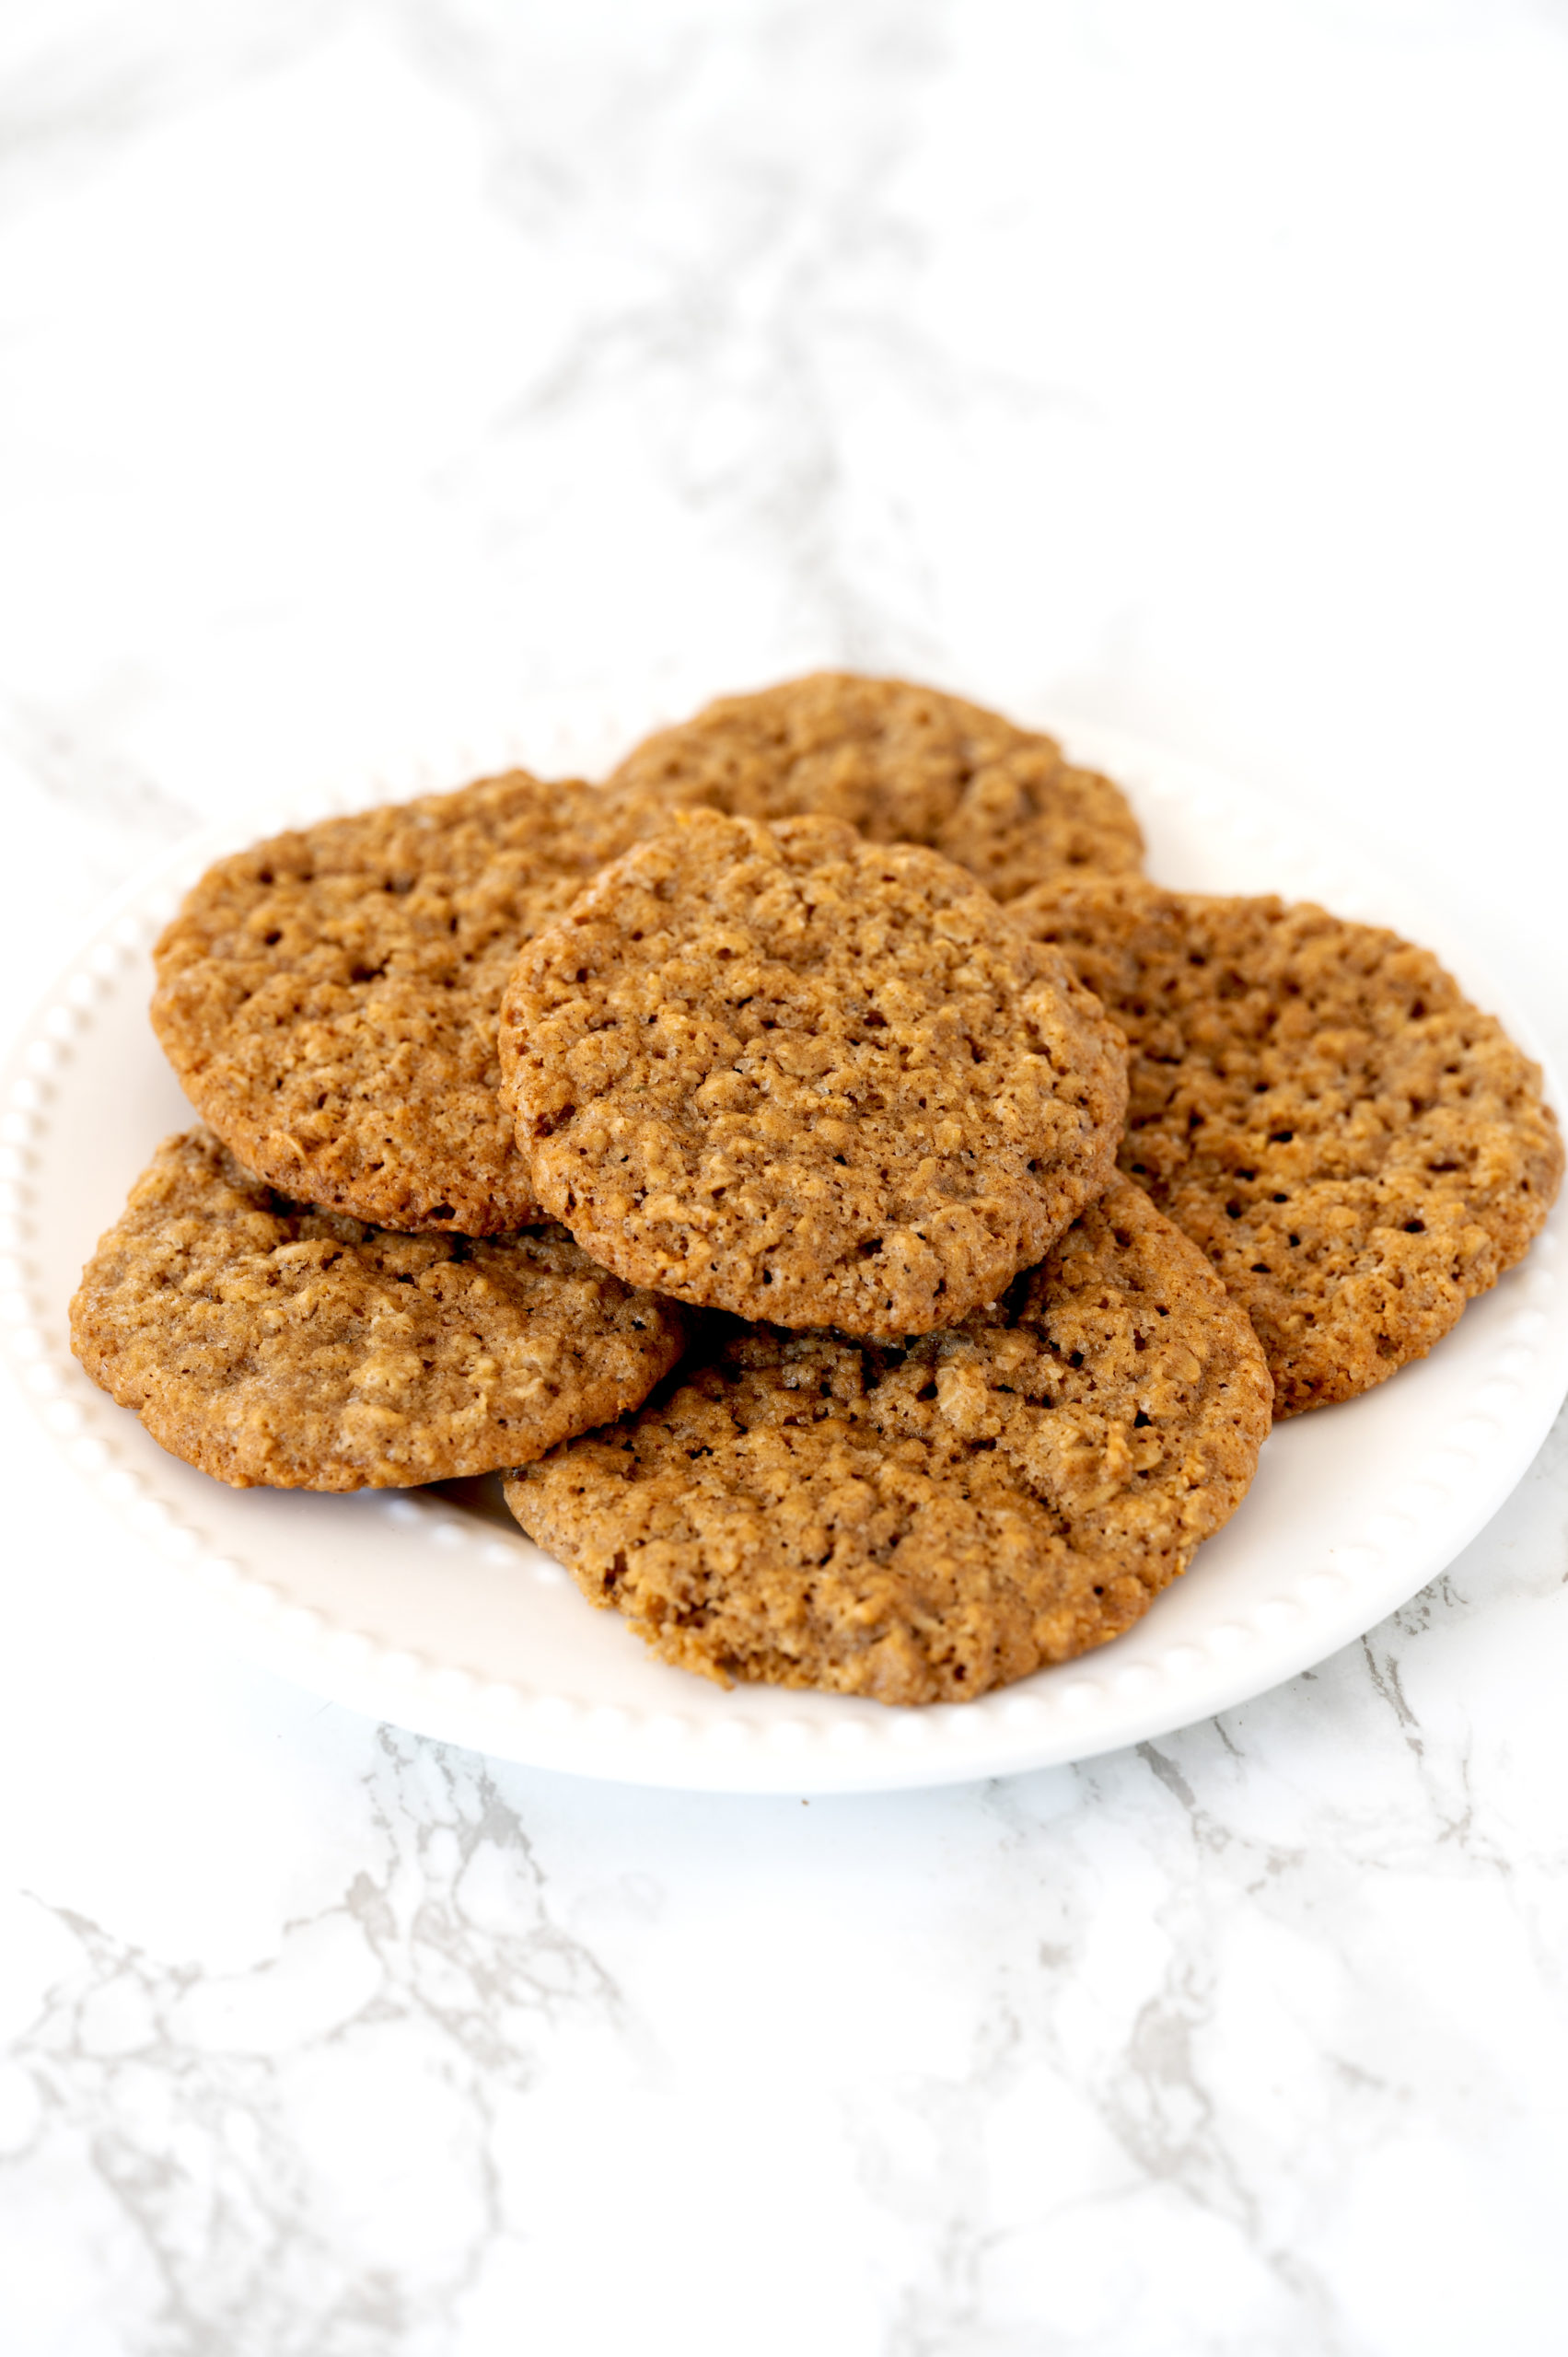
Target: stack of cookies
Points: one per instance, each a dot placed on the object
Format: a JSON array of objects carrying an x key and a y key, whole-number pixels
[{"x": 871, "y": 1224}]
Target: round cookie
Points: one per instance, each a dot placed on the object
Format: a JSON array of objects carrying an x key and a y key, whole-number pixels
[
  {"x": 902, "y": 763},
  {"x": 922, "y": 1524},
  {"x": 787, "y": 1073},
  {"x": 265, "y": 1341},
  {"x": 1357, "y": 1148},
  {"x": 328, "y": 998}
]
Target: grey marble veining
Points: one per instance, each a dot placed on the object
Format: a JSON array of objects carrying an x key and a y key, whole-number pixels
[
  {"x": 442, "y": 383},
  {"x": 258, "y": 2143},
  {"x": 1227, "y": 2039}
]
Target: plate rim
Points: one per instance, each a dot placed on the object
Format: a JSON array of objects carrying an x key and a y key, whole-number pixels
[{"x": 1076, "y": 1711}]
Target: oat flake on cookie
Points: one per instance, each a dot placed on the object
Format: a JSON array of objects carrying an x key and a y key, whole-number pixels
[
  {"x": 328, "y": 998},
  {"x": 1357, "y": 1148},
  {"x": 268, "y": 1342},
  {"x": 783, "y": 1072},
  {"x": 922, "y": 1523},
  {"x": 899, "y": 761}
]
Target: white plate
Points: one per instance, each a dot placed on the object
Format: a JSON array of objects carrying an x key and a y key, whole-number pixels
[{"x": 431, "y": 1609}]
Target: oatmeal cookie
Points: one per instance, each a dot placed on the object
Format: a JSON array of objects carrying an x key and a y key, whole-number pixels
[
  {"x": 923, "y": 1524},
  {"x": 264, "y": 1341},
  {"x": 328, "y": 998},
  {"x": 787, "y": 1073},
  {"x": 902, "y": 763},
  {"x": 1357, "y": 1148}
]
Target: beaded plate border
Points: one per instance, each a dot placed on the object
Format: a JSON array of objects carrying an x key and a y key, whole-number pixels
[{"x": 1429, "y": 1456}]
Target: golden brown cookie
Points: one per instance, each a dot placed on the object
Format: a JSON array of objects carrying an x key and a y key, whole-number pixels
[
  {"x": 1357, "y": 1148},
  {"x": 328, "y": 998},
  {"x": 902, "y": 763},
  {"x": 787, "y": 1073},
  {"x": 265, "y": 1341},
  {"x": 922, "y": 1524}
]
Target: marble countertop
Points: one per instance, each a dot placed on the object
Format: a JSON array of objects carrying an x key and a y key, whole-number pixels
[{"x": 447, "y": 382}]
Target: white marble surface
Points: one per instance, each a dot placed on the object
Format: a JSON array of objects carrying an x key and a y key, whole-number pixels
[{"x": 446, "y": 379}]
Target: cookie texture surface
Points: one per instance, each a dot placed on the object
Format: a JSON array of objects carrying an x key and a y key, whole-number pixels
[
  {"x": 786, "y": 1072},
  {"x": 1357, "y": 1148},
  {"x": 922, "y": 1523},
  {"x": 904, "y": 764},
  {"x": 328, "y": 998},
  {"x": 268, "y": 1342}
]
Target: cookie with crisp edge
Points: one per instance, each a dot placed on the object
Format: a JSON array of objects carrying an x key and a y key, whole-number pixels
[
  {"x": 265, "y": 1341},
  {"x": 328, "y": 997},
  {"x": 901, "y": 763},
  {"x": 923, "y": 1524},
  {"x": 1357, "y": 1148},
  {"x": 781, "y": 1071}
]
